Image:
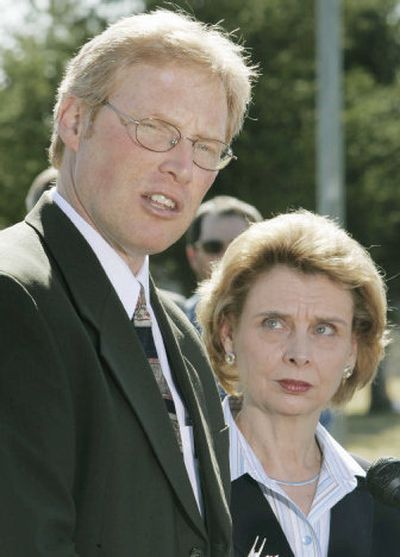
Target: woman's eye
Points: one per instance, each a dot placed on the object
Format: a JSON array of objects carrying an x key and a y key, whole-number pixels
[
  {"x": 272, "y": 323},
  {"x": 325, "y": 329}
]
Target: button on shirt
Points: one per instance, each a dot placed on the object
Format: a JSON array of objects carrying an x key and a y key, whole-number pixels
[
  {"x": 308, "y": 536},
  {"x": 127, "y": 287}
]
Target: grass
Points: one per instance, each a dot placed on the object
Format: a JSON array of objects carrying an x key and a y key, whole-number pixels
[{"x": 370, "y": 436}]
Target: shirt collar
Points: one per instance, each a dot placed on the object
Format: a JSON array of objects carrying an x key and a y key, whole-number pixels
[
  {"x": 337, "y": 462},
  {"x": 125, "y": 283},
  {"x": 340, "y": 464}
]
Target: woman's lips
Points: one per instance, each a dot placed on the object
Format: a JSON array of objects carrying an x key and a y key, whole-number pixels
[{"x": 293, "y": 386}]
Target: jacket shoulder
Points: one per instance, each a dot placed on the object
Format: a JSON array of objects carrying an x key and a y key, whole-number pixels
[{"x": 22, "y": 253}]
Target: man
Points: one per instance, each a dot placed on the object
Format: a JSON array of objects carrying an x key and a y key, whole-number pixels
[
  {"x": 217, "y": 222},
  {"x": 112, "y": 439}
]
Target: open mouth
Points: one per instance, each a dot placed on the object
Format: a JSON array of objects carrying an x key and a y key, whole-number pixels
[{"x": 161, "y": 201}]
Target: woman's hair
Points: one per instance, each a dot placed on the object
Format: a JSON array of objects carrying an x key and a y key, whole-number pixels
[
  {"x": 158, "y": 37},
  {"x": 310, "y": 244}
]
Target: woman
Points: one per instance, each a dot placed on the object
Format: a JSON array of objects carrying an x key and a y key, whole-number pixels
[{"x": 294, "y": 320}]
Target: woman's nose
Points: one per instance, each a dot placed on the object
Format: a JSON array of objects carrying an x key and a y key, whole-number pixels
[{"x": 298, "y": 350}]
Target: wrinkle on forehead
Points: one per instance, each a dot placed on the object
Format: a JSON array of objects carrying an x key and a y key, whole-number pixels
[
  {"x": 175, "y": 93},
  {"x": 296, "y": 294}
]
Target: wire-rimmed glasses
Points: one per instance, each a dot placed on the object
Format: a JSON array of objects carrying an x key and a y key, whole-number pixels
[{"x": 160, "y": 136}]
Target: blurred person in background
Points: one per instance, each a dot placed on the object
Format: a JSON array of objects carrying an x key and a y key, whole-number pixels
[
  {"x": 112, "y": 436},
  {"x": 217, "y": 222},
  {"x": 294, "y": 319},
  {"x": 42, "y": 182}
]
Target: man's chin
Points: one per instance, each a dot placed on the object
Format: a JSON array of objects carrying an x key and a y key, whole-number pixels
[{"x": 161, "y": 244}]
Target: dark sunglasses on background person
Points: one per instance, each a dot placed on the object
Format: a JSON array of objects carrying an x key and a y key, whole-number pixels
[{"x": 212, "y": 247}]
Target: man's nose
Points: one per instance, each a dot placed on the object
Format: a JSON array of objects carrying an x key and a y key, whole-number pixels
[{"x": 179, "y": 162}]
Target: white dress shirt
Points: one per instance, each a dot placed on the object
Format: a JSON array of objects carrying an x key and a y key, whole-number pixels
[
  {"x": 308, "y": 536},
  {"x": 127, "y": 287}
]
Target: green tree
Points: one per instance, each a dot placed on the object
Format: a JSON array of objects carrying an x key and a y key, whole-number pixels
[
  {"x": 276, "y": 150},
  {"x": 276, "y": 166},
  {"x": 31, "y": 70},
  {"x": 372, "y": 123}
]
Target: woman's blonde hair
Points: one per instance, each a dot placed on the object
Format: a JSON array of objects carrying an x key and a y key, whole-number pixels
[
  {"x": 158, "y": 37},
  {"x": 307, "y": 243}
]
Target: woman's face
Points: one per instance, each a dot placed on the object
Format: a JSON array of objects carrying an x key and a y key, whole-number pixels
[{"x": 292, "y": 341}]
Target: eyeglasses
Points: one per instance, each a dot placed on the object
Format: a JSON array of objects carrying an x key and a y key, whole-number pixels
[
  {"x": 211, "y": 247},
  {"x": 159, "y": 136}
]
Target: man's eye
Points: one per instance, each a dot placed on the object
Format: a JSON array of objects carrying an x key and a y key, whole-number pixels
[{"x": 203, "y": 147}]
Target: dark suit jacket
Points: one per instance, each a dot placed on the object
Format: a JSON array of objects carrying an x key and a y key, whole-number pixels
[
  {"x": 89, "y": 464},
  {"x": 360, "y": 525}
]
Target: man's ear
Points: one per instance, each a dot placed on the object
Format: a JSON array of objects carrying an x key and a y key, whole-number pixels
[
  {"x": 191, "y": 256},
  {"x": 70, "y": 122}
]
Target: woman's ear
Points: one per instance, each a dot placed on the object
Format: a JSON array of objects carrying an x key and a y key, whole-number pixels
[
  {"x": 353, "y": 352},
  {"x": 70, "y": 122},
  {"x": 226, "y": 335}
]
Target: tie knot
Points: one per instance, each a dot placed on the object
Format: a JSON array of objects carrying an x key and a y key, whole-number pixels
[{"x": 141, "y": 317}]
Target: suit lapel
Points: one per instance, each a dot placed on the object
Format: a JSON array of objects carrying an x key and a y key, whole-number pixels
[
  {"x": 97, "y": 303},
  {"x": 190, "y": 387},
  {"x": 252, "y": 516},
  {"x": 351, "y": 525}
]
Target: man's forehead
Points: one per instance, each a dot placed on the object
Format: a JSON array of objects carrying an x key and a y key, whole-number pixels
[{"x": 222, "y": 227}]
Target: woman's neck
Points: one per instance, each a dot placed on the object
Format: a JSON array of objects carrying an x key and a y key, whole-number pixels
[{"x": 286, "y": 446}]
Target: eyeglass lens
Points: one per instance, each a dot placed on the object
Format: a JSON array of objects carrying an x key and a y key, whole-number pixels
[
  {"x": 155, "y": 134},
  {"x": 160, "y": 136}
]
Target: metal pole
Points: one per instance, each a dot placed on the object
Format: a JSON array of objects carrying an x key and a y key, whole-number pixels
[{"x": 329, "y": 136}]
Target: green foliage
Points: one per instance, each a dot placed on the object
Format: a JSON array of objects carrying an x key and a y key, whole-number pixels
[
  {"x": 276, "y": 150},
  {"x": 32, "y": 69},
  {"x": 372, "y": 124},
  {"x": 276, "y": 167}
]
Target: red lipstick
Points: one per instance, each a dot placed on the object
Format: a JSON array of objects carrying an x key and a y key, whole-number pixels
[{"x": 292, "y": 386}]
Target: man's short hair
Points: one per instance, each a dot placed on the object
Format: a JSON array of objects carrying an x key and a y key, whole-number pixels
[
  {"x": 158, "y": 37},
  {"x": 221, "y": 206}
]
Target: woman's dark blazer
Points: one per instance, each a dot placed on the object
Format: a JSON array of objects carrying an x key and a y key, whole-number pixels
[
  {"x": 360, "y": 526},
  {"x": 89, "y": 465}
]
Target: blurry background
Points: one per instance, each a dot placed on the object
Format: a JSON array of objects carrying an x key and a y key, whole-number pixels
[{"x": 276, "y": 167}]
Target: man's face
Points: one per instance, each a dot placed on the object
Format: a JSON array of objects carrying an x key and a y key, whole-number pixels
[
  {"x": 217, "y": 232},
  {"x": 141, "y": 201}
]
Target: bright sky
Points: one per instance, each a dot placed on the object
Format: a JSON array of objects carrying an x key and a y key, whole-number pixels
[{"x": 13, "y": 13}]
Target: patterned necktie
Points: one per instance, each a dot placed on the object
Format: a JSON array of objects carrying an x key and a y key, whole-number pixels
[{"x": 142, "y": 322}]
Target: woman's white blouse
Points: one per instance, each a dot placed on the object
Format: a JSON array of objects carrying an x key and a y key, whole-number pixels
[{"x": 308, "y": 536}]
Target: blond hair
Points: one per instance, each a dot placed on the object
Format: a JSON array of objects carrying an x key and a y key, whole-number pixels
[
  {"x": 309, "y": 244},
  {"x": 157, "y": 37}
]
